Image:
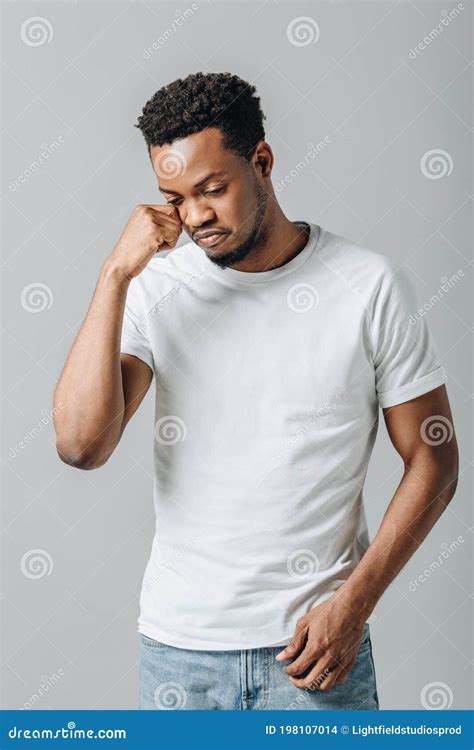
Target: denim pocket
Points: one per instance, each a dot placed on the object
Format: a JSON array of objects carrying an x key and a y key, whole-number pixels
[{"x": 365, "y": 642}]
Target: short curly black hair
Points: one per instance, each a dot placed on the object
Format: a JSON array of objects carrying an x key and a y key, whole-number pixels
[{"x": 201, "y": 100}]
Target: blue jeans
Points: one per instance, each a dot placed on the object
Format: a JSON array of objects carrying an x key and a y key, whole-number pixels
[{"x": 183, "y": 679}]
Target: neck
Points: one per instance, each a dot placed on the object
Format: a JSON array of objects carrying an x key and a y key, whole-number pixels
[{"x": 281, "y": 241}]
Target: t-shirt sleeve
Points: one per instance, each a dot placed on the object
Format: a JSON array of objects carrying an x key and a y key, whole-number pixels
[
  {"x": 134, "y": 337},
  {"x": 405, "y": 358}
]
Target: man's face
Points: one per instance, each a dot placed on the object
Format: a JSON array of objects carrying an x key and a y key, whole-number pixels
[{"x": 213, "y": 190}]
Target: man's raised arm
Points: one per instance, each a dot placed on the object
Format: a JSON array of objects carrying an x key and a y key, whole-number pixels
[{"x": 100, "y": 389}]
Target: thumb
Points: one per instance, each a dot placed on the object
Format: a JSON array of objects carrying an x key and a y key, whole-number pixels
[{"x": 293, "y": 648}]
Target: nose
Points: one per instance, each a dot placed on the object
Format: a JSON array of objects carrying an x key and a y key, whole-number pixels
[{"x": 198, "y": 213}]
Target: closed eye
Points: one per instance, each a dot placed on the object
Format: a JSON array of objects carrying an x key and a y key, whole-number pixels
[
  {"x": 217, "y": 191},
  {"x": 214, "y": 192}
]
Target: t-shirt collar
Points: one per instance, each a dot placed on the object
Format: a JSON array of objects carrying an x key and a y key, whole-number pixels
[{"x": 254, "y": 277}]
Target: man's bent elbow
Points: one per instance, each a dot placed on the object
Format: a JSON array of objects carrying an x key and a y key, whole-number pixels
[
  {"x": 86, "y": 459},
  {"x": 449, "y": 473}
]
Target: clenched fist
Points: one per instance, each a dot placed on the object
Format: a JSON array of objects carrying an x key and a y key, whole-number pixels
[{"x": 151, "y": 228}]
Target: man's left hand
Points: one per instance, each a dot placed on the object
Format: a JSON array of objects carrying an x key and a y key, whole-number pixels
[{"x": 326, "y": 642}]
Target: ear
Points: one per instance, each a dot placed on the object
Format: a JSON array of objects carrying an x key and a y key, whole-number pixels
[{"x": 264, "y": 162}]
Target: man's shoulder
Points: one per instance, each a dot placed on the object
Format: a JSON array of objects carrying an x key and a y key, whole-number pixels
[
  {"x": 342, "y": 252},
  {"x": 353, "y": 261}
]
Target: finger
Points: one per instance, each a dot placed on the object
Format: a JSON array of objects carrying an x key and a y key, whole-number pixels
[
  {"x": 166, "y": 210},
  {"x": 307, "y": 658},
  {"x": 161, "y": 221},
  {"x": 164, "y": 238},
  {"x": 294, "y": 647},
  {"x": 319, "y": 673},
  {"x": 330, "y": 680}
]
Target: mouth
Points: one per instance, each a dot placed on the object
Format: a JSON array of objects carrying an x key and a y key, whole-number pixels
[{"x": 212, "y": 239}]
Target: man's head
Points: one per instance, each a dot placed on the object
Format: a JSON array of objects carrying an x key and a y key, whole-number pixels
[{"x": 206, "y": 141}]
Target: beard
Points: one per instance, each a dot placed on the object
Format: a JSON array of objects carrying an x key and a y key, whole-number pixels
[{"x": 255, "y": 238}]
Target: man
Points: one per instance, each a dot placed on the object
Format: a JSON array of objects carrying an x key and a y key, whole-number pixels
[{"x": 273, "y": 344}]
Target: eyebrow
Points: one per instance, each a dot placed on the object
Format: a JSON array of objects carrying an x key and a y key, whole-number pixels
[{"x": 205, "y": 179}]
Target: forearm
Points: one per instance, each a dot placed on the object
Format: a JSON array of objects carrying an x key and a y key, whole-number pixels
[
  {"x": 89, "y": 399},
  {"x": 426, "y": 488}
]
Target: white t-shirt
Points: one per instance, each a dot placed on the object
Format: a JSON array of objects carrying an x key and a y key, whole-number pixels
[{"x": 268, "y": 387}]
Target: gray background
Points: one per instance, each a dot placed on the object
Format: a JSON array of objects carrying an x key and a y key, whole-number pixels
[{"x": 71, "y": 624}]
